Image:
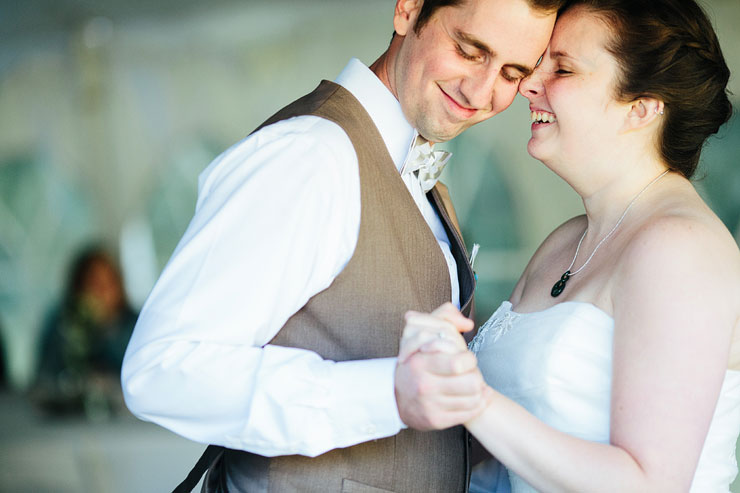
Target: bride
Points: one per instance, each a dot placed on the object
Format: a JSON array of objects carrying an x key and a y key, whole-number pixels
[{"x": 615, "y": 364}]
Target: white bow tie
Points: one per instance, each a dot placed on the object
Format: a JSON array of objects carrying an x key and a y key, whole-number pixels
[{"x": 428, "y": 162}]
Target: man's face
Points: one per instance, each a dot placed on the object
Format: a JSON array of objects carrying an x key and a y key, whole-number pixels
[{"x": 466, "y": 63}]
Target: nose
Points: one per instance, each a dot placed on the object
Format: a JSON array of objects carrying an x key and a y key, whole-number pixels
[
  {"x": 478, "y": 88},
  {"x": 531, "y": 85}
]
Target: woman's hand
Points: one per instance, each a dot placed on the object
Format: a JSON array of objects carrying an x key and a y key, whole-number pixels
[{"x": 439, "y": 331}]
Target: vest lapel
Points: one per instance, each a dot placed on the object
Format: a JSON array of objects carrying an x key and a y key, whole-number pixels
[{"x": 466, "y": 277}]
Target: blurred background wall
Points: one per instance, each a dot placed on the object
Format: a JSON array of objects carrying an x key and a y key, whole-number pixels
[{"x": 109, "y": 109}]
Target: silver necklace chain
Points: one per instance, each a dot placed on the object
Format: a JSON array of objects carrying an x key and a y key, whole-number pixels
[
  {"x": 624, "y": 214},
  {"x": 560, "y": 285}
]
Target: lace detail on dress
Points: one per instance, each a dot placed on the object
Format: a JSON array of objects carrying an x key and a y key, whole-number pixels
[{"x": 496, "y": 326}]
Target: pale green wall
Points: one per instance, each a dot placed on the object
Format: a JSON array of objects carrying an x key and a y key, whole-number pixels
[{"x": 104, "y": 127}]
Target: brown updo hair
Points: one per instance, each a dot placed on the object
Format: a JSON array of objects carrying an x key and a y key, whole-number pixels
[{"x": 667, "y": 49}]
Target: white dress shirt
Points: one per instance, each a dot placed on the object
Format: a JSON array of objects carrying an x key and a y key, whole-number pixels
[{"x": 277, "y": 219}]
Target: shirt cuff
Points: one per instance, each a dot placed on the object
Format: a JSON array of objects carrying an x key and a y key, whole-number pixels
[{"x": 365, "y": 392}]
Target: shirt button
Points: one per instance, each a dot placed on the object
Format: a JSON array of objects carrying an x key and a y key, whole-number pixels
[{"x": 370, "y": 429}]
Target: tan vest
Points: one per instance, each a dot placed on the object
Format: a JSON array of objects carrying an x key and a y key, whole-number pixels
[{"x": 397, "y": 266}]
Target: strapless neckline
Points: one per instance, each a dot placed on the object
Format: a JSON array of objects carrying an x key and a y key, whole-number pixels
[
  {"x": 564, "y": 304},
  {"x": 557, "y": 363}
]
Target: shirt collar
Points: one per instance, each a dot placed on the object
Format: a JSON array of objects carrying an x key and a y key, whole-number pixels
[{"x": 383, "y": 108}]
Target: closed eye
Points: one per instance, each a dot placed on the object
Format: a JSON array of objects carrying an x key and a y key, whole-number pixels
[
  {"x": 465, "y": 54},
  {"x": 511, "y": 78}
]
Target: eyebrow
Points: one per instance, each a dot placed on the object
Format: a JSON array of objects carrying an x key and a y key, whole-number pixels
[
  {"x": 471, "y": 40},
  {"x": 560, "y": 54},
  {"x": 579, "y": 60},
  {"x": 467, "y": 38}
]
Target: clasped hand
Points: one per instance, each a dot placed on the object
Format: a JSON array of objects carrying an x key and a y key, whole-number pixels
[{"x": 437, "y": 380}]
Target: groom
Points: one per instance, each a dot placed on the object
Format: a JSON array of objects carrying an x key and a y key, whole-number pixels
[{"x": 272, "y": 330}]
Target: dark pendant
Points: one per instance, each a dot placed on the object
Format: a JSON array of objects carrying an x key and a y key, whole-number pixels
[{"x": 560, "y": 285}]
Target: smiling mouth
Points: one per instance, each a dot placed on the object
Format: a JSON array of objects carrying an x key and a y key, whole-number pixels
[
  {"x": 539, "y": 117},
  {"x": 464, "y": 111}
]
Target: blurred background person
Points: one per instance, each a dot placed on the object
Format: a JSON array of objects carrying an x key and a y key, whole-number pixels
[{"x": 84, "y": 339}]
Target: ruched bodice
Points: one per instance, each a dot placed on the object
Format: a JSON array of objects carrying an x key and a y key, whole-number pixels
[{"x": 557, "y": 363}]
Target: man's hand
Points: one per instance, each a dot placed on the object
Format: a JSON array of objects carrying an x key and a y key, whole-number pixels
[
  {"x": 437, "y": 380},
  {"x": 439, "y": 390}
]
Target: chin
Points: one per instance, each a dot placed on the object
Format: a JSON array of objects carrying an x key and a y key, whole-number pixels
[
  {"x": 543, "y": 147},
  {"x": 437, "y": 127},
  {"x": 535, "y": 151},
  {"x": 439, "y": 134}
]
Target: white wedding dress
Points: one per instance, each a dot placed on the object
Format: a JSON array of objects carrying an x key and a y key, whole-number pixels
[{"x": 557, "y": 364}]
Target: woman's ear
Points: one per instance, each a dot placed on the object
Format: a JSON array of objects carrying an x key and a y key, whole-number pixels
[{"x": 643, "y": 112}]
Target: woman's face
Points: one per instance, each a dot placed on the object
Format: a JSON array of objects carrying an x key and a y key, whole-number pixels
[{"x": 575, "y": 118}]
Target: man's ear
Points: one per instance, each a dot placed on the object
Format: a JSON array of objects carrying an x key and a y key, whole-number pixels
[
  {"x": 405, "y": 15},
  {"x": 643, "y": 112}
]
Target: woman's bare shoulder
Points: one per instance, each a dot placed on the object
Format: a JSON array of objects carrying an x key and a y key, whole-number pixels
[{"x": 681, "y": 246}]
